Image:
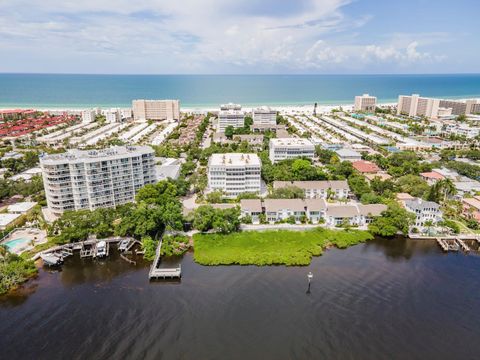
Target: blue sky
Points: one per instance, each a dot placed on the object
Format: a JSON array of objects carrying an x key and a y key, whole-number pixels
[{"x": 248, "y": 36}]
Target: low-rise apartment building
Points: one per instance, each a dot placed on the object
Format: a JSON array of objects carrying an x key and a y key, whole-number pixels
[
  {"x": 313, "y": 210},
  {"x": 168, "y": 110},
  {"x": 92, "y": 179},
  {"x": 348, "y": 155},
  {"x": 471, "y": 208},
  {"x": 88, "y": 116},
  {"x": 234, "y": 173},
  {"x": 365, "y": 102},
  {"x": 334, "y": 189},
  {"x": 290, "y": 148}
]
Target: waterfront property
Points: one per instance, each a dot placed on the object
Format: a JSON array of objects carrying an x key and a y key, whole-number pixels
[
  {"x": 94, "y": 179},
  {"x": 234, "y": 173},
  {"x": 313, "y": 210},
  {"x": 290, "y": 148},
  {"x": 23, "y": 239},
  {"x": 281, "y": 247},
  {"x": 365, "y": 102},
  {"x": 425, "y": 211},
  {"x": 156, "y": 110},
  {"x": 327, "y": 189}
]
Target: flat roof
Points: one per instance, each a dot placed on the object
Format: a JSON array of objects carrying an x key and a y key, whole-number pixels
[
  {"x": 291, "y": 142},
  {"x": 21, "y": 206},
  {"x": 6, "y": 219},
  {"x": 234, "y": 159},
  {"x": 103, "y": 154}
]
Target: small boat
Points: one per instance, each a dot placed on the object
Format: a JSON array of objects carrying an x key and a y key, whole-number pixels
[
  {"x": 51, "y": 259},
  {"x": 124, "y": 244},
  {"x": 101, "y": 249}
]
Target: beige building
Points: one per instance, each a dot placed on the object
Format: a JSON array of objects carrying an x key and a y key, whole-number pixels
[
  {"x": 415, "y": 105},
  {"x": 365, "y": 103},
  {"x": 156, "y": 110}
]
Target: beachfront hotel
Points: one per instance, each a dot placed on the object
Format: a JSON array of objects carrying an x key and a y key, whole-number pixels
[
  {"x": 93, "y": 179},
  {"x": 112, "y": 116},
  {"x": 156, "y": 110},
  {"x": 365, "y": 102},
  {"x": 264, "y": 116},
  {"x": 234, "y": 173},
  {"x": 290, "y": 148},
  {"x": 414, "y": 105},
  {"x": 88, "y": 116}
]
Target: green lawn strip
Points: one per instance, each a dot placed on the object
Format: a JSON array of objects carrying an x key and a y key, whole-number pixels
[{"x": 280, "y": 247}]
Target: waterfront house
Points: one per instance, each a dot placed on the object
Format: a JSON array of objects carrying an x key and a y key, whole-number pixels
[
  {"x": 424, "y": 211},
  {"x": 340, "y": 214},
  {"x": 368, "y": 212},
  {"x": 282, "y": 209},
  {"x": 252, "y": 208},
  {"x": 316, "y": 209}
]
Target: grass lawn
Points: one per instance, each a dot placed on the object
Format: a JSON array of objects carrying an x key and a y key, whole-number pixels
[{"x": 280, "y": 247}]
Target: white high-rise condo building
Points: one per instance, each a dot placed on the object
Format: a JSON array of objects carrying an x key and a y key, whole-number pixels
[
  {"x": 264, "y": 116},
  {"x": 93, "y": 179},
  {"x": 88, "y": 116},
  {"x": 156, "y": 110},
  {"x": 226, "y": 118},
  {"x": 112, "y": 116},
  {"x": 365, "y": 102},
  {"x": 234, "y": 173},
  {"x": 290, "y": 148}
]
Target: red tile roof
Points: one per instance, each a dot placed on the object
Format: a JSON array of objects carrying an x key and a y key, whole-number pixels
[
  {"x": 365, "y": 166},
  {"x": 432, "y": 175}
]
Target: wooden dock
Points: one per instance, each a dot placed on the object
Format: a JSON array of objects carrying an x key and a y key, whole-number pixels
[
  {"x": 156, "y": 272},
  {"x": 463, "y": 245}
]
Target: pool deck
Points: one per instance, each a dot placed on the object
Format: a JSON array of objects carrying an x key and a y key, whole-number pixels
[{"x": 32, "y": 234}]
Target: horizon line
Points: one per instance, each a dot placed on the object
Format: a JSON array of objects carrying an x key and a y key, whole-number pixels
[{"x": 239, "y": 74}]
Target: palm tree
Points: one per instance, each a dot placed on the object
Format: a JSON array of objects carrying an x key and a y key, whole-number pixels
[{"x": 447, "y": 188}]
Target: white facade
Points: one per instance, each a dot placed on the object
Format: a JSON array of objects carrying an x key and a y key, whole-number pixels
[
  {"x": 112, "y": 116},
  {"x": 88, "y": 116},
  {"x": 234, "y": 173},
  {"x": 463, "y": 130},
  {"x": 365, "y": 102},
  {"x": 334, "y": 189},
  {"x": 156, "y": 110},
  {"x": 264, "y": 116},
  {"x": 290, "y": 148},
  {"x": 230, "y": 106},
  {"x": 93, "y": 179},
  {"x": 424, "y": 211},
  {"x": 226, "y": 118}
]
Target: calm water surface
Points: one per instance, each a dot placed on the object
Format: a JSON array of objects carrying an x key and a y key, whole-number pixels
[
  {"x": 382, "y": 300},
  {"x": 76, "y": 91}
]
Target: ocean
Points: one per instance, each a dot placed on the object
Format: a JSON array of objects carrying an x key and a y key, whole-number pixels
[{"x": 79, "y": 91}]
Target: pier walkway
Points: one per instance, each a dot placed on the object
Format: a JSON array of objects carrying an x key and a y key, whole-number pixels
[
  {"x": 162, "y": 273},
  {"x": 454, "y": 242}
]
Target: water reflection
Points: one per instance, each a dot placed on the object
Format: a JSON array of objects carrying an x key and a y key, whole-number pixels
[{"x": 386, "y": 299}]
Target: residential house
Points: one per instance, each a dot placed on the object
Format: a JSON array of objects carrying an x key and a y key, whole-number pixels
[
  {"x": 365, "y": 167},
  {"x": 348, "y": 155},
  {"x": 252, "y": 208},
  {"x": 424, "y": 211},
  {"x": 471, "y": 208},
  {"x": 282, "y": 209},
  {"x": 337, "y": 189}
]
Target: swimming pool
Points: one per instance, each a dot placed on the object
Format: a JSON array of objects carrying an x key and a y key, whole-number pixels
[{"x": 10, "y": 244}]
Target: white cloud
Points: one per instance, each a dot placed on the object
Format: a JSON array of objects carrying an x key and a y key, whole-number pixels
[{"x": 193, "y": 35}]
